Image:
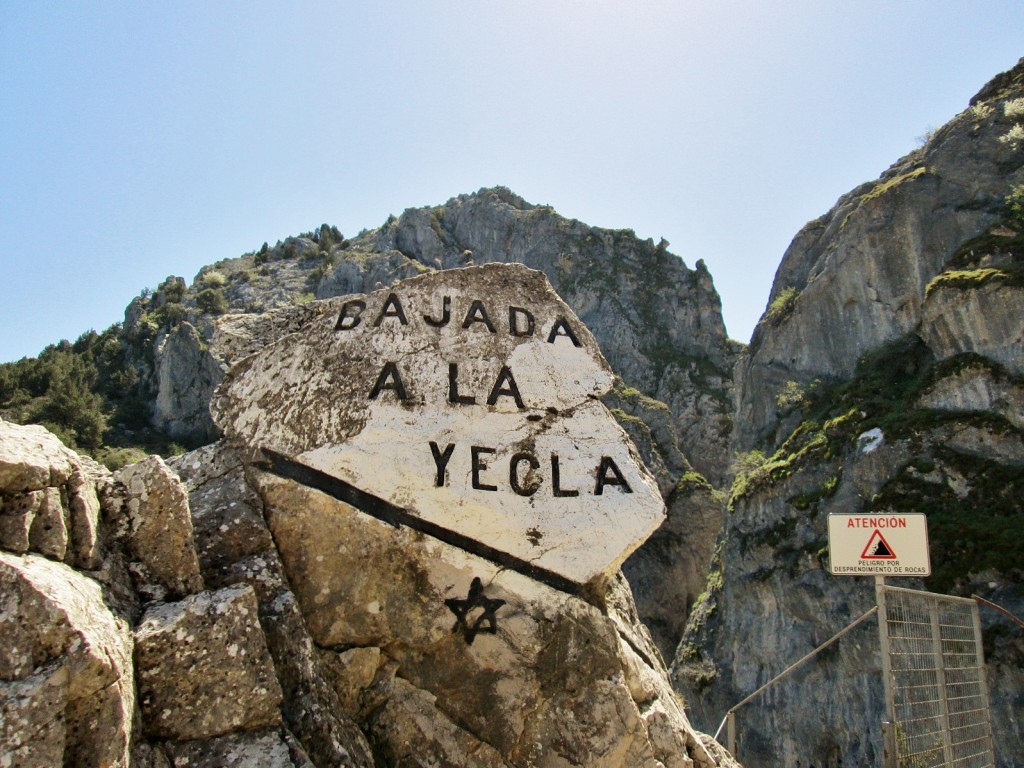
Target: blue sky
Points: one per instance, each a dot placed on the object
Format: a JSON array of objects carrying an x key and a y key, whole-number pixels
[{"x": 142, "y": 139}]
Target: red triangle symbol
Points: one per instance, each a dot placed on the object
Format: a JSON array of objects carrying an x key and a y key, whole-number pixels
[{"x": 878, "y": 548}]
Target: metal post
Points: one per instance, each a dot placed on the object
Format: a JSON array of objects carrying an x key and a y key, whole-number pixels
[
  {"x": 940, "y": 680},
  {"x": 730, "y": 733},
  {"x": 888, "y": 744},
  {"x": 889, "y": 724},
  {"x": 979, "y": 660}
]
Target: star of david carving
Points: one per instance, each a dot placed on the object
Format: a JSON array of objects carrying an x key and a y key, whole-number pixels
[{"x": 485, "y": 622}]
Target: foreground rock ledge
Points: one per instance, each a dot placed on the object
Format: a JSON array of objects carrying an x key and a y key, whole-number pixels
[
  {"x": 264, "y": 621},
  {"x": 540, "y": 677}
]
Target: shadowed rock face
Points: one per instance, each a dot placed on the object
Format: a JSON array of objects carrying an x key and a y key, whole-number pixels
[{"x": 896, "y": 316}]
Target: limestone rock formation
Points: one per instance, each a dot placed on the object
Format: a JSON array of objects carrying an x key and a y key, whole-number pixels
[
  {"x": 658, "y": 322},
  {"x": 80, "y": 636},
  {"x": 262, "y": 618},
  {"x": 203, "y": 667},
  {"x": 158, "y": 530},
  {"x": 51, "y": 504},
  {"x": 186, "y": 374},
  {"x": 65, "y": 666},
  {"x": 531, "y": 676},
  {"x": 437, "y": 646},
  {"x": 491, "y": 429},
  {"x": 885, "y": 376}
]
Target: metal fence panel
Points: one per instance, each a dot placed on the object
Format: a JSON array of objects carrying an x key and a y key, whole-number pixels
[{"x": 940, "y": 698}]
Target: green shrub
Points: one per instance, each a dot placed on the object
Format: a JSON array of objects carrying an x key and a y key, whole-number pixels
[
  {"x": 212, "y": 301},
  {"x": 928, "y": 135},
  {"x": 1015, "y": 202},
  {"x": 214, "y": 279},
  {"x": 1014, "y": 107},
  {"x": 170, "y": 314},
  {"x": 749, "y": 461},
  {"x": 782, "y": 306},
  {"x": 790, "y": 396},
  {"x": 116, "y": 458},
  {"x": 975, "y": 278},
  {"x": 57, "y": 389},
  {"x": 894, "y": 182},
  {"x": 327, "y": 236},
  {"x": 1014, "y": 137},
  {"x": 148, "y": 326},
  {"x": 123, "y": 381},
  {"x": 980, "y": 111},
  {"x": 171, "y": 290}
]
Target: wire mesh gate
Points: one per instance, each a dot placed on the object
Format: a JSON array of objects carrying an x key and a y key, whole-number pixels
[
  {"x": 934, "y": 673},
  {"x": 934, "y": 677}
]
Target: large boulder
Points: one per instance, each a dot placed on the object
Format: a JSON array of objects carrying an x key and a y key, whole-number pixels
[
  {"x": 530, "y": 671},
  {"x": 204, "y": 668},
  {"x": 462, "y": 595},
  {"x": 48, "y": 497},
  {"x": 468, "y": 398},
  {"x": 67, "y": 687},
  {"x": 157, "y": 526}
]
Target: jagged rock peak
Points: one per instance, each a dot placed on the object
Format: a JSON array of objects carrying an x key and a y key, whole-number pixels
[
  {"x": 503, "y": 195},
  {"x": 1001, "y": 85},
  {"x": 858, "y": 276}
]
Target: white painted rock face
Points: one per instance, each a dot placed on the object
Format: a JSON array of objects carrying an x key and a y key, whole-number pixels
[{"x": 468, "y": 400}]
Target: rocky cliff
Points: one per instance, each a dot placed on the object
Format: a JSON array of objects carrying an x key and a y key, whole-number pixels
[
  {"x": 658, "y": 322},
  {"x": 885, "y": 375},
  {"x": 223, "y": 610}
]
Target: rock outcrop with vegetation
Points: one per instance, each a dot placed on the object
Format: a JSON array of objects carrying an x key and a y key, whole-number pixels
[
  {"x": 885, "y": 376},
  {"x": 145, "y": 386},
  {"x": 209, "y": 611}
]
